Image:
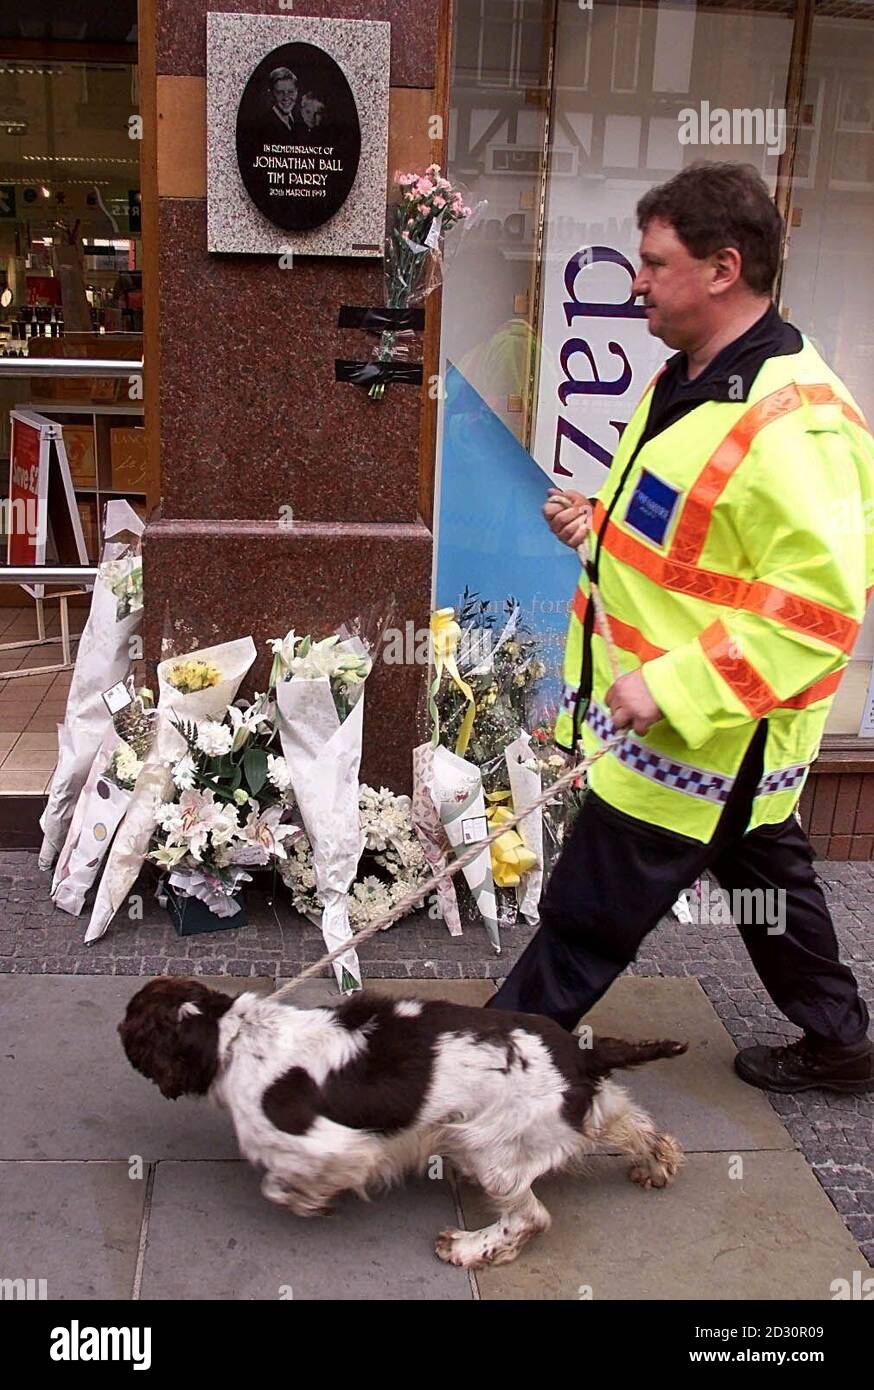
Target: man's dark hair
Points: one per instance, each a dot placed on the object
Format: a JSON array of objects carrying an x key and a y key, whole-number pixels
[{"x": 714, "y": 205}]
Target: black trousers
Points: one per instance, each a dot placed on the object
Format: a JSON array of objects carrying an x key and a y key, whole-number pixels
[{"x": 616, "y": 878}]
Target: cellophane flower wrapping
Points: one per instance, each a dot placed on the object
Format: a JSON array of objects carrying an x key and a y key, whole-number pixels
[
  {"x": 457, "y": 791},
  {"x": 432, "y": 834},
  {"x": 320, "y": 721},
  {"x": 101, "y": 804},
  {"x": 228, "y": 662},
  {"x": 103, "y": 658},
  {"x": 525, "y": 785}
]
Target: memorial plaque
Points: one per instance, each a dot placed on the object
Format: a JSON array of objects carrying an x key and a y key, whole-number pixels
[{"x": 297, "y": 134}]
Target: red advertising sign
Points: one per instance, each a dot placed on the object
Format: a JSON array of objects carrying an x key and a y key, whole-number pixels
[{"x": 24, "y": 479}]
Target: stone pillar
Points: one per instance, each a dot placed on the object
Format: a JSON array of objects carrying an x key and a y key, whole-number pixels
[{"x": 246, "y": 423}]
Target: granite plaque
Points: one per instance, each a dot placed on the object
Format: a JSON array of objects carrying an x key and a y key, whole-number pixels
[{"x": 297, "y": 134}]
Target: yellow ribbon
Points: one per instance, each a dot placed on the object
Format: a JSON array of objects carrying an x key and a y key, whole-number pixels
[
  {"x": 511, "y": 857},
  {"x": 445, "y": 636}
]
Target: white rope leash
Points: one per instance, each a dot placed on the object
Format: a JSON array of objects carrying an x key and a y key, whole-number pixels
[{"x": 472, "y": 851}]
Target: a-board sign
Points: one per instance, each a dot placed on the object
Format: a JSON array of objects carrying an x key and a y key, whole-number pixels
[{"x": 41, "y": 509}]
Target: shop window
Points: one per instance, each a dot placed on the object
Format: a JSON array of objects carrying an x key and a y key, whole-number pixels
[
  {"x": 558, "y": 168},
  {"x": 71, "y": 269}
]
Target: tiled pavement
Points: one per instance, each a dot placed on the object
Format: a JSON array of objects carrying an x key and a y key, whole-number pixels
[
  {"x": 834, "y": 1134},
  {"x": 31, "y": 707}
]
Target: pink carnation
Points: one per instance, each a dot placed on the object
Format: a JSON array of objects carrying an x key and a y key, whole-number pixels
[
  {"x": 465, "y": 212},
  {"x": 439, "y": 202},
  {"x": 425, "y": 186},
  {"x": 424, "y": 209}
]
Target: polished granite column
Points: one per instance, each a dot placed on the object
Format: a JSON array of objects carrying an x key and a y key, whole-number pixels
[{"x": 288, "y": 499}]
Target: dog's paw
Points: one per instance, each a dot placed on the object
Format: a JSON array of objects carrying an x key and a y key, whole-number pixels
[
  {"x": 661, "y": 1166},
  {"x": 474, "y": 1249},
  {"x": 446, "y": 1247}
]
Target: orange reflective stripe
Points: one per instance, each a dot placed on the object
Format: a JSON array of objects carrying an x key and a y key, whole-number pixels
[
  {"x": 820, "y": 690},
  {"x": 711, "y": 481},
  {"x": 803, "y": 614},
  {"x": 729, "y": 591},
  {"x": 629, "y": 638},
  {"x": 749, "y": 687},
  {"x": 719, "y": 468},
  {"x": 824, "y": 395}
]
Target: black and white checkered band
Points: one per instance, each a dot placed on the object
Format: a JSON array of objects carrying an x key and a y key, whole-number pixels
[
  {"x": 782, "y": 779},
  {"x": 682, "y": 777}
]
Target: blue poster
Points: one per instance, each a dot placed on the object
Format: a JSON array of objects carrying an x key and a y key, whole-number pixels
[{"x": 491, "y": 536}]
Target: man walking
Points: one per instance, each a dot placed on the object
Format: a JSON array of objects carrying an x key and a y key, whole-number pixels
[{"x": 730, "y": 548}]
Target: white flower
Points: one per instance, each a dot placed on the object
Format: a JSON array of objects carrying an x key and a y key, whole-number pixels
[
  {"x": 168, "y": 856},
  {"x": 184, "y": 773},
  {"x": 244, "y": 722},
  {"x": 283, "y": 652},
  {"x": 126, "y": 765},
  {"x": 278, "y": 773},
  {"x": 194, "y": 818},
  {"x": 263, "y": 831},
  {"x": 214, "y": 739}
]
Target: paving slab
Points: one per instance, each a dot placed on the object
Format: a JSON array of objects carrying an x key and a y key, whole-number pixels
[
  {"x": 67, "y": 1091},
  {"x": 75, "y": 1225},
  {"x": 314, "y": 993},
  {"x": 698, "y": 1097},
  {"x": 773, "y": 1234},
  {"x": 213, "y": 1236}
]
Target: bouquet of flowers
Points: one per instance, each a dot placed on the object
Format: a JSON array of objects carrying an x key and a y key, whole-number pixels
[
  {"x": 500, "y": 662},
  {"x": 448, "y": 801},
  {"x": 103, "y": 801},
  {"x": 197, "y": 688},
  {"x": 231, "y": 788},
  {"x": 428, "y": 207},
  {"x": 319, "y": 689},
  {"x": 517, "y": 855},
  {"x": 485, "y": 710},
  {"x": 392, "y": 863},
  {"x": 103, "y": 659}
]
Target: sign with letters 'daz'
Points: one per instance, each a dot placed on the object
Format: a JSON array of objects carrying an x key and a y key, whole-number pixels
[{"x": 297, "y": 134}]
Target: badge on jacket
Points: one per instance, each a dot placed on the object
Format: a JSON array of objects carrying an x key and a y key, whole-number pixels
[{"x": 652, "y": 507}]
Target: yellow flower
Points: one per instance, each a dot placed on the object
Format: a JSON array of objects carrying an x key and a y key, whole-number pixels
[{"x": 193, "y": 675}]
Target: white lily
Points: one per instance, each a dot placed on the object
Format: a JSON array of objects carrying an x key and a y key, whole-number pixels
[
  {"x": 244, "y": 722},
  {"x": 262, "y": 830},
  {"x": 283, "y": 654}
]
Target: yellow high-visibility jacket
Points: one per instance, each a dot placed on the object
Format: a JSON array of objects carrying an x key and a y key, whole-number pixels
[{"x": 734, "y": 569}]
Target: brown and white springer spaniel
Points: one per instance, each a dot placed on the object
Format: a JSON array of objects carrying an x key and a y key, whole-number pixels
[{"x": 353, "y": 1095}]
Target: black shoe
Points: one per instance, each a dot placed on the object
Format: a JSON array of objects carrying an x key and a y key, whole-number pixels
[{"x": 801, "y": 1066}]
